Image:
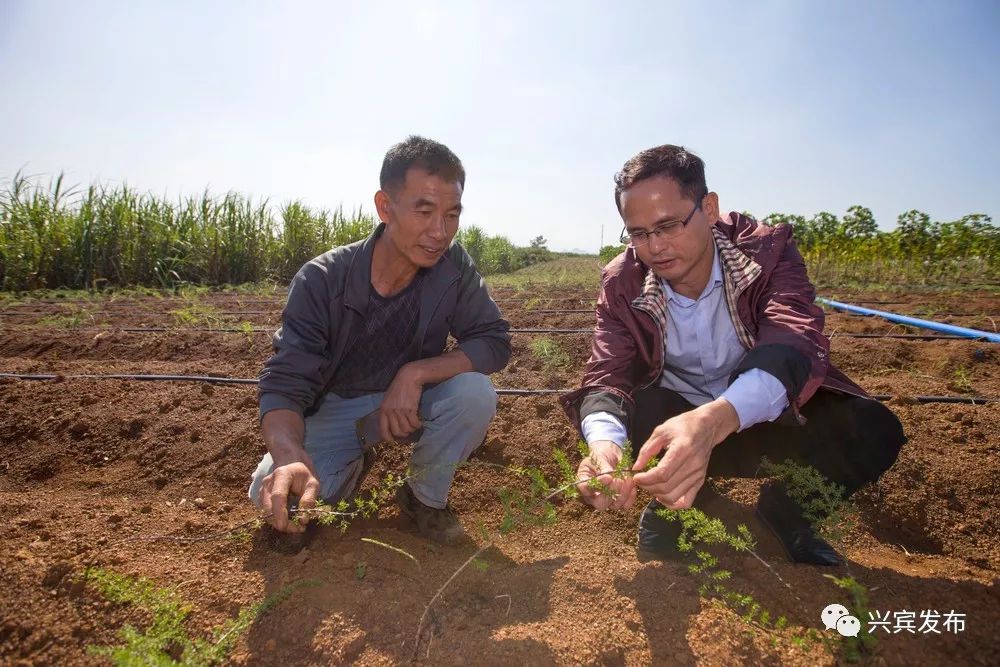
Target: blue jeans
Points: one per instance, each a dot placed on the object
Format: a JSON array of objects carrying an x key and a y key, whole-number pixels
[{"x": 456, "y": 414}]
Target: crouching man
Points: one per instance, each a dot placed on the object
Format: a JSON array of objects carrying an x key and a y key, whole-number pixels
[
  {"x": 365, "y": 329},
  {"x": 709, "y": 349}
]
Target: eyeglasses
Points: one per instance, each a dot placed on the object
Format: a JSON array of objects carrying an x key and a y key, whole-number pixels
[{"x": 667, "y": 230}]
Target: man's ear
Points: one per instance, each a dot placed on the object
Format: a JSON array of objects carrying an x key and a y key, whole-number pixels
[
  {"x": 383, "y": 206},
  {"x": 711, "y": 206}
]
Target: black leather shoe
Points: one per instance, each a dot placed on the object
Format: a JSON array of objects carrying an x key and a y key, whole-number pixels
[
  {"x": 784, "y": 517},
  {"x": 658, "y": 537}
]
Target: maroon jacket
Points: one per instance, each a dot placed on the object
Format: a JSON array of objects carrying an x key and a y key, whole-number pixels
[{"x": 770, "y": 300}]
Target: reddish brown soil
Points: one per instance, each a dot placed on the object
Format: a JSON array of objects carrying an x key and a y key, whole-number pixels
[{"x": 87, "y": 464}]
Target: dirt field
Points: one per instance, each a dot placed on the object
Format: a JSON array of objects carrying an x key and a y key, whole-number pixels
[{"x": 87, "y": 464}]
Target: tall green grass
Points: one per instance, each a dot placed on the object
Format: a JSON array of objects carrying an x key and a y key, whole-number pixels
[
  {"x": 52, "y": 236},
  {"x": 496, "y": 254},
  {"x": 920, "y": 251}
]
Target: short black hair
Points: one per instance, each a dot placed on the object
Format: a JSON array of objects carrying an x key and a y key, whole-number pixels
[
  {"x": 433, "y": 157},
  {"x": 674, "y": 162}
]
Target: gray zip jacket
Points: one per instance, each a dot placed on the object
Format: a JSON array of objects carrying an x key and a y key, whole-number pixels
[{"x": 328, "y": 298}]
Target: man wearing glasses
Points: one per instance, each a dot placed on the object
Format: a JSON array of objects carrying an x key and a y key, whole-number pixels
[{"x": 709, "y": 349}]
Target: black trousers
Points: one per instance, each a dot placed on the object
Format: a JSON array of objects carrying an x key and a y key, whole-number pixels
[{"x": 850, "y": 440}]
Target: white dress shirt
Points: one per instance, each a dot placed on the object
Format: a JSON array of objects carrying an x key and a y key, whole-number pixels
[{"x": 701, "y": 353}]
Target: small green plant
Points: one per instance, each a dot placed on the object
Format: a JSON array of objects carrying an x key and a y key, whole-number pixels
[
  {"x": 70, "y": 319},
  {"x": 961, "y": 380},
  {"x": 363, "y": 506},
  {"x": 197, "y": 315},
  {"x": 822, "y": 501},
  {"x": 823, "y": 505},
  {"x": 166, "y": 641},
  {"x": 863, "y": 646},
  {"x": 533, "y": 507},
  {"x": 241, "y": 536},
  {"x": 246, "y": 328},
  {"x": 550, "y": 353},
  {"x": 698, "y": 532}
]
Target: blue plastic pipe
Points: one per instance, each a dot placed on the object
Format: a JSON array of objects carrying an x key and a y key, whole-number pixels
[{"x": 913, "y": 321}]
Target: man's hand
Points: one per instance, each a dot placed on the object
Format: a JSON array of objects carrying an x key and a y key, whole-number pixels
[
  {"x": 292, "y": 472},
  {"x": 604, "y": 457},
  {"x": 295, "y": 477},
  {"x": 688, "y": 440},
  {"x": 400, "y": 412}
]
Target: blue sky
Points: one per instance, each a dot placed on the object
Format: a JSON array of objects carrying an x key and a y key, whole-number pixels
[{"x": 795, "y": 106}]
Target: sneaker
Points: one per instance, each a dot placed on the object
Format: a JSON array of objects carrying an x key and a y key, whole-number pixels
[
  {"x": 439, "y": 525},
  {"x": 783, "y": 517}
]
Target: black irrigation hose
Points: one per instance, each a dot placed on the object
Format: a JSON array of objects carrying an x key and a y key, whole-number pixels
[
  {"x": 589, "y": 311},
  {"x": 552, "y": 331},
  {"x": 541, "y": 330},
  {"x": 213, "y": 379},
  {"x": 968, "y": 400},
  {"x": 59, "y": 377},
  {"x": 264, "y": 312},
  {"x": 277, "y": 312}
]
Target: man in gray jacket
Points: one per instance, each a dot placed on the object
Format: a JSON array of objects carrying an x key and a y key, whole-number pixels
[{"x": 365, "y": 329}]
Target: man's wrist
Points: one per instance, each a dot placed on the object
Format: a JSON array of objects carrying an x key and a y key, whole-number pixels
[
  {"x": 606, "y": 448},
  {"x": 722, "y": 418},
  {"x": 413, "y": 372},
  {"x": 284, "y": 454}
]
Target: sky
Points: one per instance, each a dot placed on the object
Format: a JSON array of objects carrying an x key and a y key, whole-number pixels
[{"x": 797, "y": 107}]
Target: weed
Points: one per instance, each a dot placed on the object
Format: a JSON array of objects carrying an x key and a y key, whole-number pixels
[
  {"x": 241, "y": 536},
  {"x": 961, "y": 381},
  {"x": 698, "y": 532},
  {"x": 550, "y": 353},
  {"x": 823, "y": 505},
  {"x": 862, "y": 646},
  {"x": 70, "y": 319},
  {"x": 165, "y": 641},
  {"x": 197, "y": 315},
  {"x": 822, "y": 501},
  {"x": 246, "y": 328},
  {"x": 363, "y": 506}
]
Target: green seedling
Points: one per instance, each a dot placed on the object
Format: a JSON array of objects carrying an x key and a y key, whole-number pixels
[
  {"x": 550, "y": 353},
  {"x": 166, "y": 640}
]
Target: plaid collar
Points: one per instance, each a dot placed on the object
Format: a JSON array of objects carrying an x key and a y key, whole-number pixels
[
  {"x": 736, "y": 267},
  {"x": 738, "y": 273}
]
